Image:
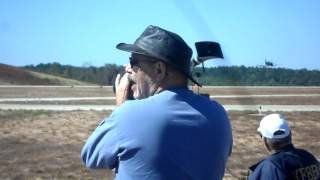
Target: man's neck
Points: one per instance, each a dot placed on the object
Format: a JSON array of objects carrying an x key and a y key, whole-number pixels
[
  {"x": 285, "y": 146},
  {"x": 162, "y": 88}
]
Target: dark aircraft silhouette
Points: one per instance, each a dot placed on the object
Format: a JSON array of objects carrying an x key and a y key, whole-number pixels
[{"x": 269, "y": 63}]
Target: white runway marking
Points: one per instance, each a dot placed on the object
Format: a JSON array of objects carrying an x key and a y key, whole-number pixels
[
  {"x": 42, "y": 86},
  {"x": 263, "y": 108},
  {"x": 55, "y": 99},
  {"x": 56, "y": 107},
  {"x": 113, "y": 98},
  {"x": 218, "y": 87},
  {"x": 264, "y": 95}
]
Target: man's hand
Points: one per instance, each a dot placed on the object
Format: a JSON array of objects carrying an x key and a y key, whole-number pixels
[{"x": 123, "y": 88}]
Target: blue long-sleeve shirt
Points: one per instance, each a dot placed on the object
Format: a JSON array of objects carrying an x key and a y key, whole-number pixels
[{"x": 175, "y": 134}]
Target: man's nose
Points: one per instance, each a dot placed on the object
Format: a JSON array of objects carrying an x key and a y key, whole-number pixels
[{"x": 129, "y": 69}]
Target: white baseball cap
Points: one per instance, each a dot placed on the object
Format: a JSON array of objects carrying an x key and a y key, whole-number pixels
[{"x": 274, "y": 126}]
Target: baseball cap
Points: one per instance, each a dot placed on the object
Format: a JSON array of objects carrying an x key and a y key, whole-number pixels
[
  {"x": 274, "y": 126},
  {"x": 165, "y": 46}
]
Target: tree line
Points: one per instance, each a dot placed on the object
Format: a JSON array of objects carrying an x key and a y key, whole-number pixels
[{"x": 213, "y": 76}]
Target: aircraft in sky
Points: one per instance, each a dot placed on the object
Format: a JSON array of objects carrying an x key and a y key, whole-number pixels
[{"x": 268, "y": 63}]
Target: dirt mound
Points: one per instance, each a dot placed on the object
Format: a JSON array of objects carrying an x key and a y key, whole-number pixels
[{"x": 10, "y": 75}]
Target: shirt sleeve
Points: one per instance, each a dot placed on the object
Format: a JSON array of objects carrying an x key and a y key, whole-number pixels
[
  {"x": 267, "y": 171},
  {"x": 102, "y": 146}
]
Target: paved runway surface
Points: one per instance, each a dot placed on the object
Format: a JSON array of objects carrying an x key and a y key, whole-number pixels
[
  {"x": 18, "y": 98},
  {"x": 113, "y": 98},
  {"x": 258, "y": 108}
]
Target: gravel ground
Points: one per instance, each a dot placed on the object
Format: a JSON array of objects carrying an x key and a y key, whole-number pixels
[{"x": 47, "y": 144}]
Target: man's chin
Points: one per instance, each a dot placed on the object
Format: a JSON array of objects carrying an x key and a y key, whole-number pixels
[
  {"x": 135, "y": 97},
  {"x": 139, "y": 96}
]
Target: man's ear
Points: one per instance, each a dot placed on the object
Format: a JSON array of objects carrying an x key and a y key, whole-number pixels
[
  {"x": 266, "y": 144},
  {"x": 160, "y": 70}
]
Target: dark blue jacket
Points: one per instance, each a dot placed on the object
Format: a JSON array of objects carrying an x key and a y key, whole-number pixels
[{"x": 288, "y": 164}]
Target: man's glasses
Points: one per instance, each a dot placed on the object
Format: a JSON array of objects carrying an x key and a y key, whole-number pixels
[{"x": 135, "y": 62}]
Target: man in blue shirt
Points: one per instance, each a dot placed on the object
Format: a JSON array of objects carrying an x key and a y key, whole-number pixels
[
  {"x": 286, "y": 162},
  {"x": 167, "y": 132}
]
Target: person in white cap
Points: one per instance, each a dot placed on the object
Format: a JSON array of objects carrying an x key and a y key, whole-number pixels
[{"x": 285, "y": 161}]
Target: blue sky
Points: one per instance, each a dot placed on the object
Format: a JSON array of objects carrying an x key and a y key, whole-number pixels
[{"x": 79, "y": 32}]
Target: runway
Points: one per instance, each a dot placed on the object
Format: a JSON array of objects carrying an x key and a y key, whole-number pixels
[
  {"x": 113, "y": 98},
  {"x": 55, "y": 99},
  {"x": 237, "y": 98},
  {"x": 258, "y": 108}
]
